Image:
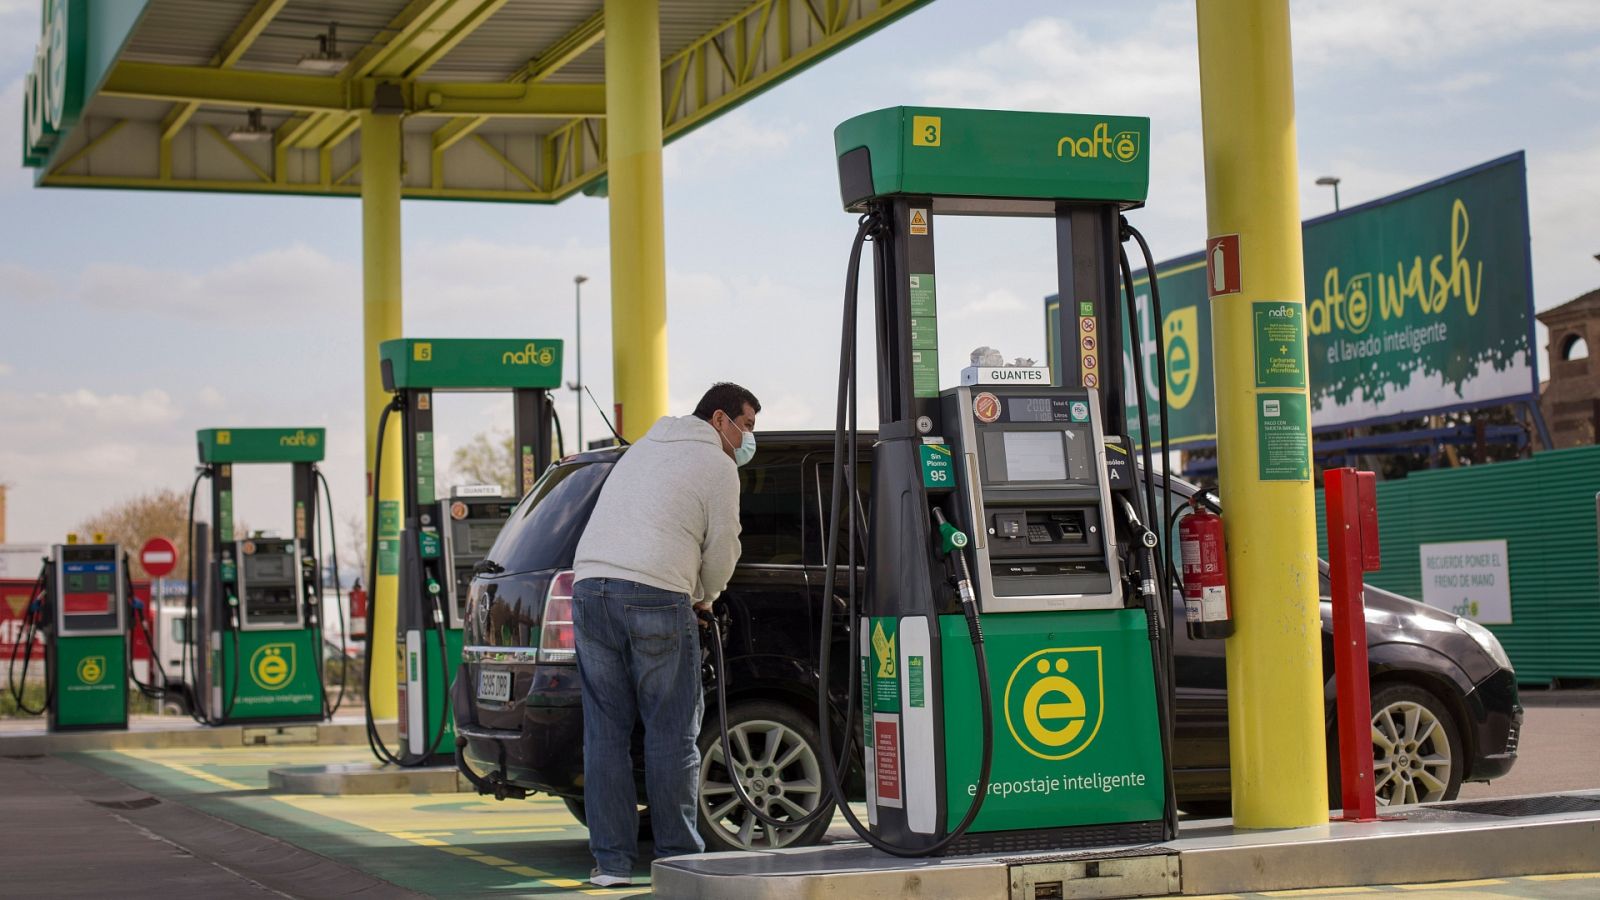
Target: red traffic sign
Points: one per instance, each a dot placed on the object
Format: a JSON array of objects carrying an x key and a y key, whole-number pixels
[
  {"x": 1222, "y": 265},
  {"x": 159, "y": 557}
]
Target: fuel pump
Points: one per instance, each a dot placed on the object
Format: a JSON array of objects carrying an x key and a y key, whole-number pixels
[
  {"x": 442, "y": 541},
  {"x": 1013, "y": 682},
  {"x": 256, "y": 648},
  {"x": 80, "y": 603}
]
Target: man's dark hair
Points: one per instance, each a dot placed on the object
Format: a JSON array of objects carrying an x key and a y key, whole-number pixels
[{"x": 728, "y": 397}]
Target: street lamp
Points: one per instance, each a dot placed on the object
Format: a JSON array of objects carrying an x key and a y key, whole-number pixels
[
  {"x": 1333, "y": 182},
  {"x": 577, "y": 386}
]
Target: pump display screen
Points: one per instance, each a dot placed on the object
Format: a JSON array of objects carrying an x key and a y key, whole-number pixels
[
  {"x": 479, "y": 537},
  {"x": 1029, "y": 409},
  {"x": 268, "y": 568},
  {"x": 89, "y": 589},
  {"x": 1035, "y": 456},
  {"x": 1057, "y": 454}
]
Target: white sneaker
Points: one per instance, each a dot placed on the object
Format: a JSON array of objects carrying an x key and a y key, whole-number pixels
[{"x": 601, "y": 879}]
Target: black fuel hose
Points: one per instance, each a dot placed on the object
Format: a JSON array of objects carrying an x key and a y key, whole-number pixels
[
  {"x": 158, "y": 690},
  {"x": 30, "y": 633},
  {"x": 824, "y": 805},
  {"x": 374, "y": 739},
  {"x": 872, "y": 226},
  {"x": 1156, "y": 606},
  {"x": 187, "y": 658},
  {"x": 338, "y": 598}
]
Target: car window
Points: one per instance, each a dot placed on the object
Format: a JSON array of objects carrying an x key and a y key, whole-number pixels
[
  {"x": 769, "y": 512},
  {"x": 822, "y": 488},
  {"x": 543, "y": 530}
]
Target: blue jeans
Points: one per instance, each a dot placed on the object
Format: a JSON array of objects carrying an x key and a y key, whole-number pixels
[{"x": 638, "y": 658}]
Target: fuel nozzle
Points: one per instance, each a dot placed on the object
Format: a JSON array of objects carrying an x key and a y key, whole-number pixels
[{"x": 952, "y": 543}]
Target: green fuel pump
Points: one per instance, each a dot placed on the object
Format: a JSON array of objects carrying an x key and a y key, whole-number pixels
[
  {"x": 443, "y": 540},
  {"x": 257, "y": 648},
  {"x": 80, "y": 602},
  {"x": 1048, "y": 725}
]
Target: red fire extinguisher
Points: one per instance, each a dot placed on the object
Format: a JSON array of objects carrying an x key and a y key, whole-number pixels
[
  {"x": 358, "y": 613},
  {"x": 1207, "y": 609}
]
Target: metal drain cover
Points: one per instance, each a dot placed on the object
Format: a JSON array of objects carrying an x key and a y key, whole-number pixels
[{"x": 1518, "y": 807}]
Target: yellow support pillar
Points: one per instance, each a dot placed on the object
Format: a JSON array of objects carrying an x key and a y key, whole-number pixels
[
  {"x": 638, "y": 239},
  {"x": 1274, "y": 659},
  {"x": 380, "y": 270}
]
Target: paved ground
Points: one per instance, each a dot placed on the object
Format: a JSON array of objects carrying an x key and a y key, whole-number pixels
[
  {"x": 1558, "y": 750},
  {"x": 201, "y": 822}
]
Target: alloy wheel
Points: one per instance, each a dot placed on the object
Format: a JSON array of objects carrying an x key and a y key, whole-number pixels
[
  {"x": 778, "y": 769},
  {"x": 1411, "y": 754}
]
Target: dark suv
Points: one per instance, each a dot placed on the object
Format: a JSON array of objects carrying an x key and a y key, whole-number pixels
[{"x": 1440, "y": 683}]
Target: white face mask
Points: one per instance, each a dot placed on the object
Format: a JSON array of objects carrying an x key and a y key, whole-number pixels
[{"x": 746, "y": 450}]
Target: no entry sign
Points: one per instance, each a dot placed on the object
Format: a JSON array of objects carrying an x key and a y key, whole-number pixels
[{"x": 159, "y": 557}]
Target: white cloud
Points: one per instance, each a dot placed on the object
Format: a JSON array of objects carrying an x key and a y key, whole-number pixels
[
  {"x": 1562, "y": 191},
  {"x": 6, "y": 369},
  {"x": 734, "y": 141},
  {"x": 1345, "y": 36},
  {"x": 24, "y": 284}
]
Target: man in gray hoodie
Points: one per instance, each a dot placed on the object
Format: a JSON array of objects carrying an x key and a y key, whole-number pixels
[{"x": 663, "y": 538}]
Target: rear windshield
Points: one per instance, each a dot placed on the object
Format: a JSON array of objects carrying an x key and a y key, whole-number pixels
[{"x": 543, "y": 530}]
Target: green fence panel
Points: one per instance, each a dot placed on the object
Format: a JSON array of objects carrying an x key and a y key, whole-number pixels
[{"x": 1545, "y": 509}]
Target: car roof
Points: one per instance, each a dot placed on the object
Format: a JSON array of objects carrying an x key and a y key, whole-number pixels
[{"x": 768, "y": 440}]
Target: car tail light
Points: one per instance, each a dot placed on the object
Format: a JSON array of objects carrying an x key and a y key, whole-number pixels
[{"x": 557, "y": 641}]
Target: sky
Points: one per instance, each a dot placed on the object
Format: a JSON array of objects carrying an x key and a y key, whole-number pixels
[{"x": 129, "y": 320}]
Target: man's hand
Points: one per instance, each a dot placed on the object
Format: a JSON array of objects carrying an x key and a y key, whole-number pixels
[{"x": 708, "y": 620}]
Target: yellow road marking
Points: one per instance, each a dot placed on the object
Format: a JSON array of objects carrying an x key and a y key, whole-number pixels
[
  {"x": 429, "y": 842},
  {"x": 546, "y": 830},
  {"x": 1447, "y": 885},
  {"x": 192, "y": 772},
  {"x": 1569, "y": 876},
  {"x": 494, "y": 860}
]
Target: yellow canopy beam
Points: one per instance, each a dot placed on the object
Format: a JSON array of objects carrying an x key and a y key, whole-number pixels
[
  {"x": 310, "y": 93},
  {"x": 233, "y": 49},
  {"x": 572, "y": 45}
]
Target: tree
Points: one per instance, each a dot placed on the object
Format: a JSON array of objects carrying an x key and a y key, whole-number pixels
[
  {"x": 486, "y": 459},
  {"x": 162, "y": 513}
]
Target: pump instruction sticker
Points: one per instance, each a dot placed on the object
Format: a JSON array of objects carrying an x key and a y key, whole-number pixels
[
  {"x": 1283, "y": 437},
  {"x": 886, "y": 753},
  {"x": 1280, "y": 334}
]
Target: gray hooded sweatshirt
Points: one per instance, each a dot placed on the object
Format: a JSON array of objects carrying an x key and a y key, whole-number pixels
[{"x": 668, "y": 515}]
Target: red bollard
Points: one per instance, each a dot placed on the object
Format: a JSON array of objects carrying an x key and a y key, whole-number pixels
[{"x": 1352, "y": 506}]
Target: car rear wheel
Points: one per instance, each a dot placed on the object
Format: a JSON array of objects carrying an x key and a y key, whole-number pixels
[
  {"x": 776, "y": 758},
  {"x": 1416, "y": 747}
]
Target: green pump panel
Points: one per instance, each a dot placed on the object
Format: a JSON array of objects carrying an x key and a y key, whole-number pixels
[
  {"x": 1076, "y": 648},
  {"x": 86, "y": 650},
  {"x": 443, "y": 538},
  {"x": 259, "y": 652}
]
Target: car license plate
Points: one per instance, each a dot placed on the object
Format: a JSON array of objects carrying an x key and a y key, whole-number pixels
[{"x": 494, "y": 685}]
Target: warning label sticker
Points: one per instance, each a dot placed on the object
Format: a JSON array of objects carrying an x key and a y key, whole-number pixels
[
  {"x": 919, "y": 221},
  {"x": 886, "y": 758}
]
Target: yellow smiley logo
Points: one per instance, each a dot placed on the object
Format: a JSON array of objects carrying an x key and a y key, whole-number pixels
[
  {"x": 1055, "y": 700},
  {"x": 91, "y": 669},
  {"x": 272, "y": 666}
]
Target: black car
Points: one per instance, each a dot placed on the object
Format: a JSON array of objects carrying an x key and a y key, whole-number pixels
[{"x": 1443, "y": 690}]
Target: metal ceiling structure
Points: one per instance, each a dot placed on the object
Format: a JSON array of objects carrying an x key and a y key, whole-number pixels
[{"x": 501, "y": 99}]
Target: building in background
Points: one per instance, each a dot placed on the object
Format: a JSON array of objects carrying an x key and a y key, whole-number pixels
[{"x": 1570, "y": 399}]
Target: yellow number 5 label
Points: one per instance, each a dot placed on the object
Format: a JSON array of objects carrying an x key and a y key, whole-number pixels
[{"x": 924, "y": 131}]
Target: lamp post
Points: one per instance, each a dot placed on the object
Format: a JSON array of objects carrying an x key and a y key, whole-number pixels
[
  {"x": 1333, "y": 182},
  {"x": 577, "y": 386}
]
